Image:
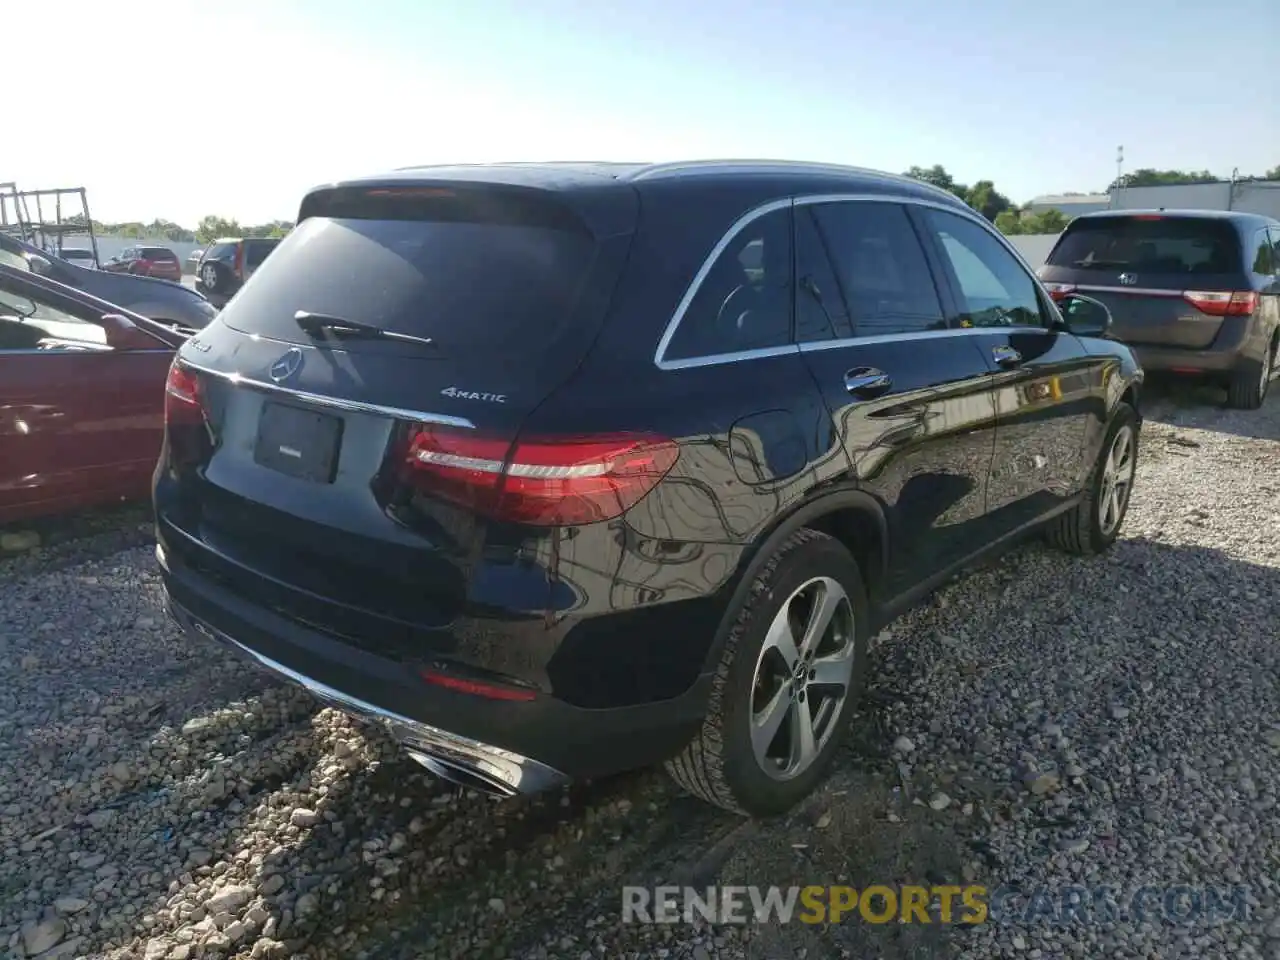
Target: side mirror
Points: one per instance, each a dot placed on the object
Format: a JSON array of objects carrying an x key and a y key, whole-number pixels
[
  {"x": 123, "y": 334},
  {"x": 1084, "y": 316},
  {"x": 39, "y": 265}
]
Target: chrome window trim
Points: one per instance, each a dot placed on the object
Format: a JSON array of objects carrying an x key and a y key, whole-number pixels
[
  {"x": 816, "y": 345},
  {"x": 335, "y": 403},
  {"x": 738, "y": 355},
  {"x": 1131, "y": 291},
  {"x": 659, "y": 355}
]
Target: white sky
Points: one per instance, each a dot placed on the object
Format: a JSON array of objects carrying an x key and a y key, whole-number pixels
[{"x": 237, "y": 107}]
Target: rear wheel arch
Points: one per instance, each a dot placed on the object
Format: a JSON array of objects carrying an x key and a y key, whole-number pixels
[
  {"x": 1130, "y": 396},
  {"x": 852, "y": 517}
]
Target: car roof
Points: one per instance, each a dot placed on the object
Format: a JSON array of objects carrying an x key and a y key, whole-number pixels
[
  {"x": 1241, "y": 217},
  {"x": 798, "y": 175}
]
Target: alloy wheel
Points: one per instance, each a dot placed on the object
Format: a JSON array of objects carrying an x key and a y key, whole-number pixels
[
  {"x": 210, "y": 277},
  {"x": 802, "y": 678},
  {"x": 1117, "y": 480}
]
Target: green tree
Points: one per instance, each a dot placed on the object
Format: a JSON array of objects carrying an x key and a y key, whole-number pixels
[
  {"x": 937, "y": 176},
  {"x": 1014, "y": 222},
  {"x": 1150, "y": 177},
  {"x": 1272, "y": 174},
  {"x": 211, "y": 228},
  {"x": 170, "y": 230},
  {"x": 987, "y": 200},
  {"x": 273, "y": 228},
  {"x": 982, "y": 196},
  {"x": 1049, "y": 221},
  {"x": 1009, "y": 222}
]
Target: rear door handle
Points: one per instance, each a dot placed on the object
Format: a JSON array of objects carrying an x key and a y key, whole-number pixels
[
  {"x": 1006, "y": 356},
  {"x": 866, "y": 382}
]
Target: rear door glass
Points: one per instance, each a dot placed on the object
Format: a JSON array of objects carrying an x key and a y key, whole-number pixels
[
  {"x": 470, "y": 286},
  {"x": 881, "y": 268},
  {"x": 1263, "y": 258},
  {"x": 1149, "y": 244},
  {"x": 255, "y": 251}
]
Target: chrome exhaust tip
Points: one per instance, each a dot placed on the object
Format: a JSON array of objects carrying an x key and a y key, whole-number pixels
[{"x": 463, "y": 775}]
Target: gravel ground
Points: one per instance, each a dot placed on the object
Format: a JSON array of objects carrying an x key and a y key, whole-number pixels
[{"x": 1046, "y": 721}]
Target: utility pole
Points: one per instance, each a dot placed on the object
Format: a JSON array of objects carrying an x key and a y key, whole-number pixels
[{"x": 1119, "y": 174}]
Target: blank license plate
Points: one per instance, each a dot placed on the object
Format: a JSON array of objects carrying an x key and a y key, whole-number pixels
[{"x": 297, "y": 442}]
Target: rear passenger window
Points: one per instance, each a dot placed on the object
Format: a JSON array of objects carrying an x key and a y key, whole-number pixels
[
  {"x": 994, "y": 290},
  {"x": 880, "y": 267},
  {"x": 256, "y": 251},
  {"x": 744, "y": 301},
  {"x": 1264, "y": 260}
]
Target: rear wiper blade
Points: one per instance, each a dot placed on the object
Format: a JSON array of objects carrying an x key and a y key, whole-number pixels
[{"x": 314, "y": 323}]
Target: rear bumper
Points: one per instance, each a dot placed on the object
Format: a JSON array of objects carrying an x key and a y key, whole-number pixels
[
  {"x": 510, "y": 772},
  {"x": 1233, "y": 346},
  {"x": 526, "y": 746},
  {"x": 1174, "y": 360}
]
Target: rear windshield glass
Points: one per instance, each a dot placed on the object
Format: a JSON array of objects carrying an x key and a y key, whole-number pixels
[
  {"x": 1149, "y": 245},
  {"x": 158, "y": 253},
  {"x": 468, "y": 286},
  {"x": 221, "y": 251}
]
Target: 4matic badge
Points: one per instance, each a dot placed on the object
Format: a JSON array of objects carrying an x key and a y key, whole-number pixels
[{"x": 458, "y": 394}]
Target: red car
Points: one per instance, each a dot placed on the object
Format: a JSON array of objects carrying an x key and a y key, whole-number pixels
[
  {"x": 158, "y": 262},
  {"x": 82, "y": 386}
]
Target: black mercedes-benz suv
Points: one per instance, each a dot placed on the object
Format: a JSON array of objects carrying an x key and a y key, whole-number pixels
[{"x": 565, "y": 469}]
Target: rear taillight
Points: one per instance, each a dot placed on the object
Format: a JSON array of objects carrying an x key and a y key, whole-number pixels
[
  {"x": 182, "y": 402},
  {"x": 544, "y": 482},
  {"x": 1241, "y": 303},
  {"x": 239, "y": 261},
  {"x": 1060, "y": 290}
]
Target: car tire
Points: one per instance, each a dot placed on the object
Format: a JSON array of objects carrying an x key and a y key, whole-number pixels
[
  {"x": 1089, "y": 528},
  {"x": 1247, "y": 388},
  {"x": 722, "y": 764},
  {"x": 213, "y": 276}
]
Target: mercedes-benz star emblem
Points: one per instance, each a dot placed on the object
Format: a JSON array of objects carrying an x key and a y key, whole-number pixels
[
  {"x": 1128, "y": 279},
  {"x": 286, "y": 366}
]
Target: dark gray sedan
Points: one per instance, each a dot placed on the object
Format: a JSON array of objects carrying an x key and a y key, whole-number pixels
[{"x": 166, "y": 302}]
